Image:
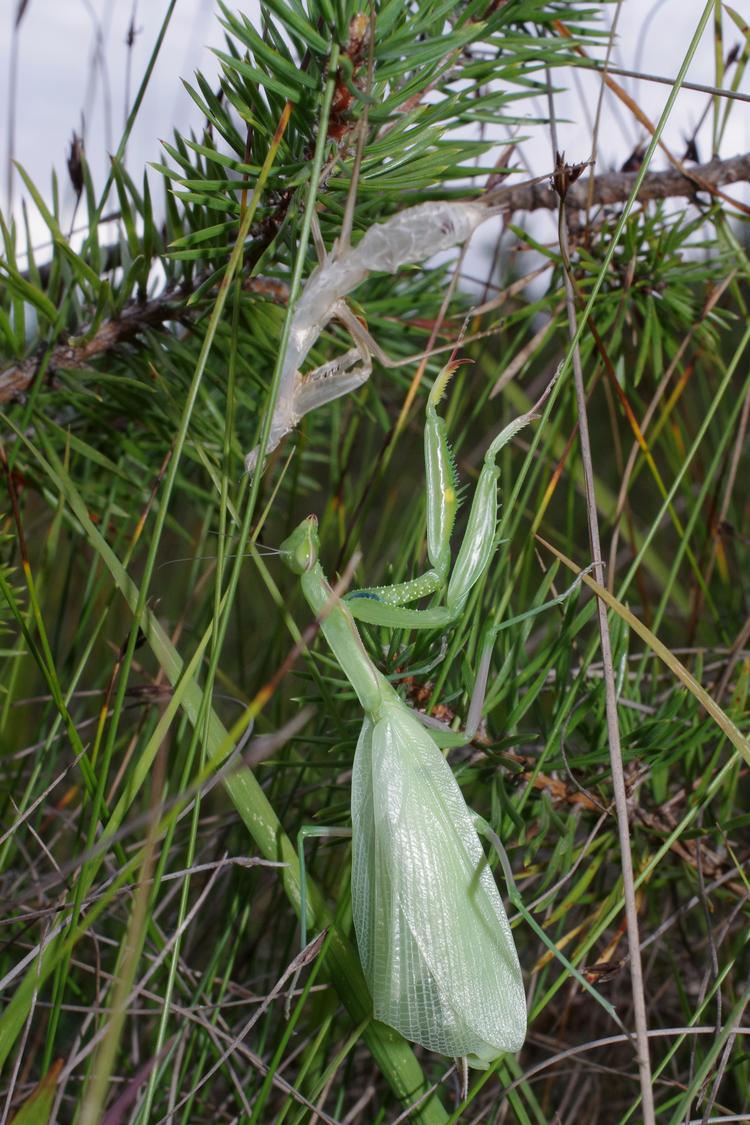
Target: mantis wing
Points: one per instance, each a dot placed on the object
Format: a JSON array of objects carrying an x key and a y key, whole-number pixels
[{"x": 433, "y": 937}]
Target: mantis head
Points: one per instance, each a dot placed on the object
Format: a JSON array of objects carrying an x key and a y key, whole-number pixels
[{"x": 300, "y": 551}]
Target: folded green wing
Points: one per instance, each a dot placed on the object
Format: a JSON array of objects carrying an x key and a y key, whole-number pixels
[{"x": 433, "y": 936}]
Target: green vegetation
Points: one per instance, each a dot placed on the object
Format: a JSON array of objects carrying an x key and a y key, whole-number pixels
[{"x": 169, "y": 715}]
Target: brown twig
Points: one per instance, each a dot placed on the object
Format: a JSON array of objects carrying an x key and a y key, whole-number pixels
[
  {"x": 136, "y": 317},
  {"x": 692, "y": 174},
  {"x": 611, "y": 188}
]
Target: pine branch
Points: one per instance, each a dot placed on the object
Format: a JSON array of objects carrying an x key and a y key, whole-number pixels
[
  {"x": 136, "y": 317},
  {"x": 614, "y": 187},
  {"x": 607, "y": 189}
]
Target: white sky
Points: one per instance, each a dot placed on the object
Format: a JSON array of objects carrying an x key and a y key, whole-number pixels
[{"x": 57, "y": 82}]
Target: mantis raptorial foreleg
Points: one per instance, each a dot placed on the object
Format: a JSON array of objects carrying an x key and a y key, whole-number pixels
[
  {"x": 386, "y": 605},
  {"x": 331, "y": 380}
]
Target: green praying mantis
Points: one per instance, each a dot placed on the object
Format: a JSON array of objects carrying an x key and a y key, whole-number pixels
[{"x": 433, "y": 936}]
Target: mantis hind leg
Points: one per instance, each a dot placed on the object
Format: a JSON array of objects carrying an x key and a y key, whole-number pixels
[{"x": 514, "y": 896}]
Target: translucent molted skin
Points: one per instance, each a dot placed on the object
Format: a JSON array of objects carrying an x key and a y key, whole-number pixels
[
  {"x": 407, "y": 237},
  {"x": 434, "y": 940},
  {"x": 418, "y": 233}
]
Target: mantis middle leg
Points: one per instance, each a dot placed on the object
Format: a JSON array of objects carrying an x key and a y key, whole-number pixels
[{"x": 306, "y": 832}]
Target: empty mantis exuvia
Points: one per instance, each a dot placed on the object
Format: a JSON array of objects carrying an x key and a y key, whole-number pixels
[
  {"x": 433, "y": 936},
  {"x": 408, "y": 236}
]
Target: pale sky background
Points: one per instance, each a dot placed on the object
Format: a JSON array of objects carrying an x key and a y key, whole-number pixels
[{"x": 57, "y": 82}]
